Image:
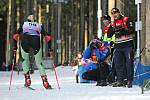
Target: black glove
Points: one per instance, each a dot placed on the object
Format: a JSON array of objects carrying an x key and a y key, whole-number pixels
[
  {"x": 119, "y": 32},
  {"x": 93, "y": 45},
  {"x": 111, "y": 43}
]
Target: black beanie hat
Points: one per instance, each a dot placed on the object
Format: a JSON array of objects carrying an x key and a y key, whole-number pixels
[{"x": 106, "y": 17}]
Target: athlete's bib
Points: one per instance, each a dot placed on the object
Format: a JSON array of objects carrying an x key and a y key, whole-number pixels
[{"x": 32, "y": 28}]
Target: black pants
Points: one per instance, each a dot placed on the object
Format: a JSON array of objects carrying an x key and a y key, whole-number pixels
[
  {"x": 30, "y": 42},
  {"x": 123, "y": 59},
  {"x": 101, "y": 73},
  {"x": 113, "y": 75}
]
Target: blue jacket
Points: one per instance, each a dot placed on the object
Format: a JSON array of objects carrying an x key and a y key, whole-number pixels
[{"x": 101, "y": 54}]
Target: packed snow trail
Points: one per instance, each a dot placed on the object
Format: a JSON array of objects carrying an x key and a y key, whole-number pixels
[{"x": 69, "y": 89}]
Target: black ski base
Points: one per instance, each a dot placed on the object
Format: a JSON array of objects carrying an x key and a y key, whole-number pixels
[
  {"x": 29, "y": 87},
  {"x": 49, "y": 88}
]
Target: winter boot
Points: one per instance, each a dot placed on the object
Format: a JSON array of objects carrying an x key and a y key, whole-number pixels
[
  {"x": 101, "y": 83},
  {"x": 45, "y": 82},
  {"x": 98, "y": 83},
  {"x": 129, "y": 84},
  {"x": 27, "y": 79},
  {"x": 119, "y": 84}
]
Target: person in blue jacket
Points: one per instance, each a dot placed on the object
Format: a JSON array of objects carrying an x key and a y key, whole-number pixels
[{"x": 97, "y": 69}]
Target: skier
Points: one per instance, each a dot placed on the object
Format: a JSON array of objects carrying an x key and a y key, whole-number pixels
[
  {"x": 123, "y": 54},
  {"x": 29, "y": 34}
]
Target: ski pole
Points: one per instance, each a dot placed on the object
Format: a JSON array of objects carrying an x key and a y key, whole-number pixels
[
  {"x": 15, "y": 51},
  {"x": 12, "y": 69},
  {"x": 56, "y": 75}
]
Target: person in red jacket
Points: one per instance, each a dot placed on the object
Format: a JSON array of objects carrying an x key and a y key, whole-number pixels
[
  {"x": 123, "y": 47},
  {"x": 108, "y": 26},
  {"x": 29, "y": 34}
]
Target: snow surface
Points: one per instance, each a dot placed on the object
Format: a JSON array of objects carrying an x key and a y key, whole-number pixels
[{"x": 69, "y": 89}]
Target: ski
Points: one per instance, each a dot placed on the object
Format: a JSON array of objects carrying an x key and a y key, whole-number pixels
[
  {"x": 50, "y": 89},
  {"x": 30, "y": 88}
]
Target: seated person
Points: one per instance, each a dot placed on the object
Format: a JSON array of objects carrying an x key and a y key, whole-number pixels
[{"x": 94, "y": 65}]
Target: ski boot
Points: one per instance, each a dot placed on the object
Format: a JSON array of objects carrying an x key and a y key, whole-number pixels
[
  {"x": 45, "y": 82},
  {"x": 27, "y": 80}
]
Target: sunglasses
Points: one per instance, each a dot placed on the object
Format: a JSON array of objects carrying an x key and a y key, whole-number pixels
[{"x": 114, "y": 12}]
